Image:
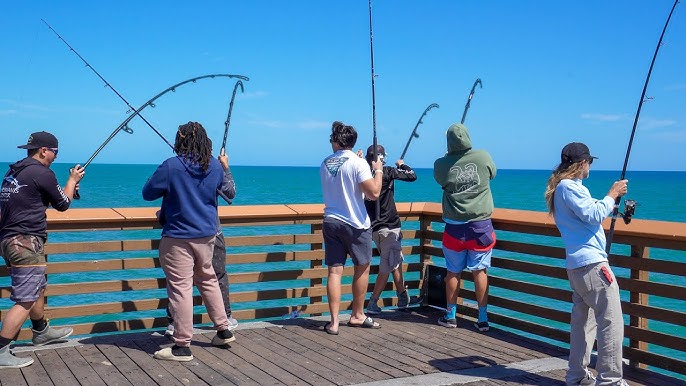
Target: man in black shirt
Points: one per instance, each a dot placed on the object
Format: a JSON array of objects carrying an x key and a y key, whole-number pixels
[
  {"x": 386, "y": 230},
  {"x": 27, "y": 189}
]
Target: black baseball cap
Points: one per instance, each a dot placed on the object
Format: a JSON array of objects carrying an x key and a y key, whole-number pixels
[
  {"x": 575, "y": 152},
  {"x": 40, "y": 139}
]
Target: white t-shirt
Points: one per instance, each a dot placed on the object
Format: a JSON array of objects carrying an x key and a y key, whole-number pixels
[{"x": 341, "y": 174}]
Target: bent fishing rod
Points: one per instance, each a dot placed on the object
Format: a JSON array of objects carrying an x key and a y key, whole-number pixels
[
  {"x": 414, "y": 132},
  {"x": 630, "y": 205},
  {"x": 469, "y": 99},
  {"x": 374, "y": 141},
  {"x": 136, "y": 112},
  {"x": 151, "y": 102},
  {"x": 228, "y": 116}
]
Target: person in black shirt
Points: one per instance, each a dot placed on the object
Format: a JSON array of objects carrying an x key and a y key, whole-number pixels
[
  {"x": 386, "y": 230},
  {"x": 28, "y": 188}
]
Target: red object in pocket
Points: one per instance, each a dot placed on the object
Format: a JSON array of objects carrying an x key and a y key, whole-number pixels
[{"x": 607, "y": 274}]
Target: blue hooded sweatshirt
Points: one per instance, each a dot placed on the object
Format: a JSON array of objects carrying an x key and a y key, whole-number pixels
[{"x": 189, "y": 197}]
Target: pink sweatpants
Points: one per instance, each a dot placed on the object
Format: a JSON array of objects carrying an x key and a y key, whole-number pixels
[{"x": 185, "y": 262}]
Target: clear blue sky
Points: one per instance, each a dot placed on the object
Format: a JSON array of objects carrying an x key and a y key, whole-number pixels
[{"x": 553, "y": 72}]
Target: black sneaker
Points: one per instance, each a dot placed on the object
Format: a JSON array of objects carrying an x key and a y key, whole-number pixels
[
  {"x": 445, "y": 322},
  {"x": 482, "y": 326},
  {"x": 223, "y": 338}
]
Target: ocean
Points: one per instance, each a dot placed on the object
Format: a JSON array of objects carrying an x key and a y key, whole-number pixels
[{"x": 659, "y": 196}]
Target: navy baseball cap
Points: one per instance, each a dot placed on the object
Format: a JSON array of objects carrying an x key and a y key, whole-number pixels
[{"x": 40, "y": 139}]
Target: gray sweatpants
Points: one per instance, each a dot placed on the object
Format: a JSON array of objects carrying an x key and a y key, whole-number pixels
[{"x": 596, "y": 314}]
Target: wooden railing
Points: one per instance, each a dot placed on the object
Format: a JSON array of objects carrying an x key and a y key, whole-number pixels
[{"x": 104, "y": 275}]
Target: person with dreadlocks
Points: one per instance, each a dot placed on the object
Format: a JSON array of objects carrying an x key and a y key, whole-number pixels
[
  {"x": 596, "y": 307},
  {"x": 189, "y": 185}
]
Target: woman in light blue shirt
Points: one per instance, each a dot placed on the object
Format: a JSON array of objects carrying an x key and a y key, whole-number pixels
[{"x": 596, "y": 310}]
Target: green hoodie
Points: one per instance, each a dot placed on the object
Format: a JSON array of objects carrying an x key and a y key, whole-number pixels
[{"x": 465, "y": 174}]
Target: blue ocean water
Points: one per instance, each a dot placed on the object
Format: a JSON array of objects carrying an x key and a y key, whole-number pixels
[{"x": 659, "y": 195}]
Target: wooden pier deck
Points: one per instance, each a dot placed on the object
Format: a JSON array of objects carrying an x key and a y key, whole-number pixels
[{"x": 409, "y": 349}]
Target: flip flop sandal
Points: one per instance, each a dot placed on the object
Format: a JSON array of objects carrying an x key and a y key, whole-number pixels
[
  {"x": 368, "y": 323},
  {"x": 329, "y": 331}
]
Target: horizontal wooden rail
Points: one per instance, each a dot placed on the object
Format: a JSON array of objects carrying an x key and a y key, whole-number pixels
[{"x": 275, "y": 264}]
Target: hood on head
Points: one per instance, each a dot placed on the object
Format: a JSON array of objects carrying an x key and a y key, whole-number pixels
[{"x": 458, "y": 139}]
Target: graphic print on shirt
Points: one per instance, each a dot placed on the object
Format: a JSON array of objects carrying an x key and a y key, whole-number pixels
[
  {"x": 334, "y": 163},
  {"x": 11, "y": 186},
  {"x": 466, "y": 180}
]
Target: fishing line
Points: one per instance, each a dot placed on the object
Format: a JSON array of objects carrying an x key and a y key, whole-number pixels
[
  {"x": 136, "y": 112},
  {"x": 107, "y": 84},
  {"x": 151, "y": 102},
  {"x": 414, "y": 132},
  {"x": 469, "y": 99},
  {"x": 630, "y": 205}
]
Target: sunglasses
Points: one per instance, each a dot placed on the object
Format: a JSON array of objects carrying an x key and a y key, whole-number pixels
[
  {"x": 53, "y": 149},
  {"x": 590, "y": 160}
]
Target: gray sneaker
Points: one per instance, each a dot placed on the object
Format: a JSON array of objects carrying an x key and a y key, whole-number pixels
[
  {"x": 49, "y": 335},
  {"x": 373, "y": 307},
  {"x": 9, "y": 361},
  {"x": 403, "y": 299},
  {"x": 589, "y": 379},
  {"x": 233, "y": 323}
]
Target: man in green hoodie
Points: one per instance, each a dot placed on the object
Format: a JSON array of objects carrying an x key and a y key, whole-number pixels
[{"x": 464, "y": 175}]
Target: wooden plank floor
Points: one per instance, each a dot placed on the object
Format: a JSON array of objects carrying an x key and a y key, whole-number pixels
[{"x": 410, "y": 348}]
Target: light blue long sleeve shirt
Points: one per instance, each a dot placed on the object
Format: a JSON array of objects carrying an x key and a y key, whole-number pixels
[{"x": 579, "y": 218}]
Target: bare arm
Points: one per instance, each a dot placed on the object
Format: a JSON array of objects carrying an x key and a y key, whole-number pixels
[{"x": 372, "y": 187}]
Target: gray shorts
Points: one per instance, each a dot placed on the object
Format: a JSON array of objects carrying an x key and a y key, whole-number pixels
[
  {"x": 390, "y": 249},
  {"x": 341, "y": 240},
  {"x": 24, "y": 256}
]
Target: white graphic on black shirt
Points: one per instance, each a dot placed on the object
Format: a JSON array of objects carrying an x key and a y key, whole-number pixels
[{"x": 12, "y": 187}]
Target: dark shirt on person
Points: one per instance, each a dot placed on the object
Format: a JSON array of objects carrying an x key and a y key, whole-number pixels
[
  {"x": 388, "y": 214},
  {"x": 28, "y": 188}
]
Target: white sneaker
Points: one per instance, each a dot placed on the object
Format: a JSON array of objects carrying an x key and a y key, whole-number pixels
[
  {"x": 233, "y": 323},
  {"x": 169, "y": 332},
  {"x": 166, "y": 354}
]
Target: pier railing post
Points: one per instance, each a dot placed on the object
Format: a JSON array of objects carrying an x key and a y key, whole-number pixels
[
  {"x": 639, "y": 252},
  {"x": 425, "y": 243},
  {"x": 316, "y": 229}
]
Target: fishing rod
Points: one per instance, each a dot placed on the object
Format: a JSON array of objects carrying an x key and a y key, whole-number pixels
[
  {"x": 228, "y": 116},
  {"x": 136, "y": 112},
  {"x": 151, "y": 102},
  {"x": 374, "y": 141},
  {"x": 414, "y": 132},
  {"x": 107, "y": 84},
  {"x": 469, "y": 99},
  {"x": 630, "y": 205}
]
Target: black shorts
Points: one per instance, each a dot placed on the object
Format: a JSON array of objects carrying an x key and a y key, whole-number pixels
[{"x": 341, "y": 240}]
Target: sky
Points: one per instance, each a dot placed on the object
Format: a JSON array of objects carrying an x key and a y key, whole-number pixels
[{"x": 553, "y": 72}]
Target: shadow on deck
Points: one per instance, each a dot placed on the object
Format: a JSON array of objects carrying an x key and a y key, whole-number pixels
[{"x": 410, "y": 348}]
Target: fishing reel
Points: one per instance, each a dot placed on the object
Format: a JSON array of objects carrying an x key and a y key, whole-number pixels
[{"x": 629, "y": 210}]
